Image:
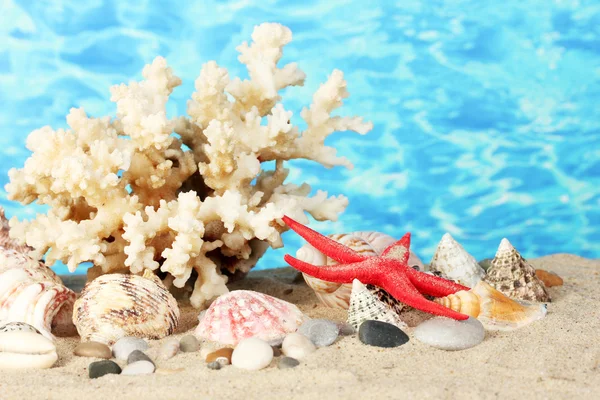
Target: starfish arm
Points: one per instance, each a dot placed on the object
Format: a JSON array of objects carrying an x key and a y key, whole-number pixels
[
  {"x": 433, "y": 285},
  {"x": 325, "y": 245},
  {"x": 400, "y": 287},
  {"x": 399, "y": 250},
  {"x": 341, "y": 273}
]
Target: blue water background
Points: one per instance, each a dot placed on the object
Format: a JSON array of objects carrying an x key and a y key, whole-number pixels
[{"x": 486, "y": 116}]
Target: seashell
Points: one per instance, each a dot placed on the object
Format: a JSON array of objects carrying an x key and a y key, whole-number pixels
[
  {"x": 42, "y": 304},
  {"x": 368, "y": 243},
  {"x": 514, "y": 276},
  {"x": 26, "y": 350},
  {"x": 364, "y": 306},
  {"x": 37, "y": 270},
  {"x": 549, "y": 278},
  {"x": 18, "y": 327},
  {"x": 6, "y": 241},
  {"x": 493, "y": 309},
  {"x": 242, "y": 314},
  {"x": 454, "y": 263},
  {"x": 113, "y": 306}
]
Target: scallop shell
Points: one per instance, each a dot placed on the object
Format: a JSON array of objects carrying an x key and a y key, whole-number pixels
[
  {"x": 40, "y": 303},
  {"x": 511, "y": 274},
  {"x": 113, "y": 306},
  {"x": 368, "y": 243},
  {"x": 493, "y": 309},
  {"x": 242, "y": 314},
  {"x": 454, "y": 263},
  {"x": 364, "y": 306}
]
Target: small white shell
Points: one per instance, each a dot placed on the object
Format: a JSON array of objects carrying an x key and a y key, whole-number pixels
[
  {"x": 368, "y": 243},
  {"x": 113, "y": 306},
  {"x": 26, "y": 350},
  {"x": 454, "y": 263},
  {"x": 364, "y": 306},
  {"x": 242, "y": 314}
]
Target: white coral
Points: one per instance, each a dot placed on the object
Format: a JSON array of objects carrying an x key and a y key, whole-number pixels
[{"x": 128, "y": 193}]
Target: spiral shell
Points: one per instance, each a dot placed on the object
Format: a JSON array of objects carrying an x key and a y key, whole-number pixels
[
  {"x": 113, "y": 306},
  {"x": 492, "y": 308},
  {"x": 242, "y": 314},
  {"x": 367, "y": 243},
  {"x": 365, "y": 306},
  {"x": 454, "y": 263}
]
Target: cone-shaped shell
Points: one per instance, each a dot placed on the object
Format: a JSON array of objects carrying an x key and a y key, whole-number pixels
[
  {"x": 454, "y": 263},
  {"x": 514, "y": 276},
  {"x": 113, "y": 306},
  {"x": 365, "y": 306},
  {"x": 243, "y": 314},
  {"x": 492, "y": 308},
  {"x": 367, "y": 243}
]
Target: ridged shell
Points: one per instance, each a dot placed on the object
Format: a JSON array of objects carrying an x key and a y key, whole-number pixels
[
  {"x": 113, "y": 306},
  {"x": 364, "y": 306},
  {"x": 36, "y": 270},
  {"x": 492, "y": 308},
  {"x": 454, "y": 263},
  {"x": 514, "y": 276},
  {"x": 368, "y": 243},
  {"x": 243, "y": 314}
]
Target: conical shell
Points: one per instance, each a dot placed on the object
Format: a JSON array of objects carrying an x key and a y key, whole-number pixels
[
  {"x": 365, "y": 306},
  {"x": 368, "y": 243},
  {"x": 492, "y": 308},
  {"x": 514, "y": 276},
  {"x": 454, "y": 263},
  {"x": 243, "y": 314},
  {"x": 113, "y": 306}
]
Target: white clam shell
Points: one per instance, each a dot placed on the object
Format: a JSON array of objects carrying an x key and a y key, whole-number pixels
[
  {"x": 113, "y": 306},
  {"x": 454, "y": 263},
  {"x": 26, "y": 350},
  {"x": 242, "y": 314}
]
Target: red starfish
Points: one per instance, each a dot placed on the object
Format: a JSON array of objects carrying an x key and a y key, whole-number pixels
[{"x": 389, "y": 271}]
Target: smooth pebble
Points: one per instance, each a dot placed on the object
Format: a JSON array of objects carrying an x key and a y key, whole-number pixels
[
  {"x": 449, "y": 334},
  {"x": 141, "y": 367},
  {"x": 297, "y": 346},
  {"x": 321, "y": 332},
  {"x": 214, "y": 365},
  {"x": 252, "y": 354},
  {"x": 189, "y": 344},
  {"x": 93, "y": 349},
  {"x": 124, "y": 346},
  {"x": 138, "y": 355},
  {"x": 101, "y": 368},
  {"x": 287, "y": 362},
  {"x": 381, "y": 334},
  {"x": 168, "y": 349}
]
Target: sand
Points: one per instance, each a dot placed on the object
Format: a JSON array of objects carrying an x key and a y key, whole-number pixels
[{"x": 557, "y": 357}]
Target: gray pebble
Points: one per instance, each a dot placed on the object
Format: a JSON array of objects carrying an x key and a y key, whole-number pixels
[
  {"x": 214, "y": 365},
  {"x": 346, "y": 329},
  {"x": 101, "y": 368},
  {"x": 189, "y": 344},
  {"x": 287, "y": 362},
  {"x": 321, "y": 332},
  {"x": 138, "y": 355},
  {"x": 141, "y": 367},
  {"x": 449, "y": 334},
  {"x": 124, "y": 346}
]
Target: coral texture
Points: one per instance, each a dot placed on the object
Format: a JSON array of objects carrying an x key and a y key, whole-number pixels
[{"x": 128, "y": 194}]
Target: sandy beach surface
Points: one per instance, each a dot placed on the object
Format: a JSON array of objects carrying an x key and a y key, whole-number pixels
[{"x": 555, "y": 358}]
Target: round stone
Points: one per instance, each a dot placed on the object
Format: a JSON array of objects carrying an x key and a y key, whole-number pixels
[
  {"x": 138, "y": 355},
  {"x": 18, "y": 326},
  {"x": 124, "y": 346},
  {"x": 214, "y": 365},
  {"x": 168, "y": 349},
  {"x": 381, "y": 334},
  {"x": 222, "y": 356},
  {"x": 189, "y": 344},
  {"x": 101, "y": 368},
  {"x": 141, "y": 367},
  {"x": 93, "y": 349},
  {"x": 297, "y": 346},
  {"x": 321, "y": 332},
  {"x": 252, "y": 354},
  {"x": 287, "y": 362},
  {"x": 449, "y": 334}
]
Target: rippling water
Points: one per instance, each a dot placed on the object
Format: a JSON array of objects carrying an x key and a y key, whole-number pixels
[{"x": 486, "y": 118}]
